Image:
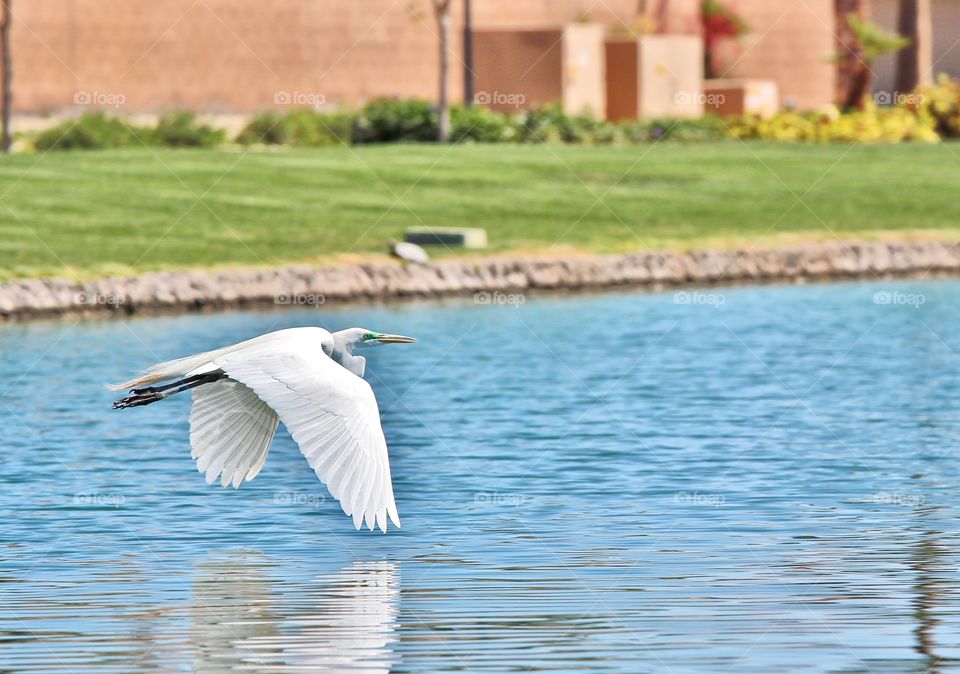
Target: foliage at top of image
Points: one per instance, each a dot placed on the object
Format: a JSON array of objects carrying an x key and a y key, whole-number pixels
[
  {"x": 719, "y": 21},
  {"x": 874, "y": 39}
]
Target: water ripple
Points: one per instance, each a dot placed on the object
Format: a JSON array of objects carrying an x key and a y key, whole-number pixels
[{"x": 602, "y": 483}]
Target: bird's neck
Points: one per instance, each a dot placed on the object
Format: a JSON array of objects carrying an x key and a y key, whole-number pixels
[{"x": 343, "y": 354}]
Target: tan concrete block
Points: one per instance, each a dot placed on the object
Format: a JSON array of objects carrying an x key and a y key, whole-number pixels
[
  {"x": 671, "y": 76},
  {"x": 654, "y": 76},
  {"x": 584, "y": 79},
  {"x": 738, "y": 97}
]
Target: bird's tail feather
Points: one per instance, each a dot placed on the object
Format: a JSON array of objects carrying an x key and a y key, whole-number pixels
[{"x": 180, "y": 367}]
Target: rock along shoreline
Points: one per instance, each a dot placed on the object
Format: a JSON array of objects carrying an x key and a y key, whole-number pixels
[{"x": 305, "y": 285}]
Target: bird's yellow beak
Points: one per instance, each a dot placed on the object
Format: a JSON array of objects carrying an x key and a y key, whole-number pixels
[{"x": 395, "y": 339}]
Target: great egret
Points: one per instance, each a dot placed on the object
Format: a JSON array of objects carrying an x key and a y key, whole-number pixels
[
  {"x": 242, "y": 392},
  {"x": 408, "y": 252}
]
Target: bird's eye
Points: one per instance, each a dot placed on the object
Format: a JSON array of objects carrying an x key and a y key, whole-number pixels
[{"x": 369, "y": 335}]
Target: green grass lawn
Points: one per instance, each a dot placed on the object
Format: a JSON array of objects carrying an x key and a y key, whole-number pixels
[{"x": 88, "y": 213}]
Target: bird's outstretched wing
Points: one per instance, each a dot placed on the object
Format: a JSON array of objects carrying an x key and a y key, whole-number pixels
[
  {"x": 231, "y": 430},
  {"x": 331, "y": 414}
]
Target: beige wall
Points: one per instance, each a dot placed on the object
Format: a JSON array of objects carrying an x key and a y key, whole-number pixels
[
  {"x": 526, "y": 63},
  {"x": 789, "y": 42},
  {"x": 218, "y": 54},
  {"x": 527, "y": 68},
  {"x": 238, "y": 55},
  {"x": 519, "y": 14},
  {"x": 241, "y": 55}
]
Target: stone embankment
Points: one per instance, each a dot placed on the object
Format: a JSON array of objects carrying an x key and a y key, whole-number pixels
[{"x": 306, "y": 285}]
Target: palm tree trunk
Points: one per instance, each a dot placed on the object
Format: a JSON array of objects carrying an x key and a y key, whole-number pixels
[
  {"x": 915, "y": 61},
  {"x": 854, "y": 78}
]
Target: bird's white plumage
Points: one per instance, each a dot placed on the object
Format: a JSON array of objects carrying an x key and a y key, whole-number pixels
[
  {"x": 331, "y": 413},
  {"x": 231, "y": 430},
  {"x": 410, "y": 252}
]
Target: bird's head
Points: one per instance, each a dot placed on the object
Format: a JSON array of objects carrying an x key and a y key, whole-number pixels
[
  {"x": 355, "y": 338},
  {"x": 346, "y": 341}
]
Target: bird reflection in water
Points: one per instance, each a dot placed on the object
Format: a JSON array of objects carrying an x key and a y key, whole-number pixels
[
  {"x": 244, "y": 618},
  {"x": 932, "y": 588}
]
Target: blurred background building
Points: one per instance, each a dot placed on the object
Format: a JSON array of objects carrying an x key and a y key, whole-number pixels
[{"x": 625, "y": 57}]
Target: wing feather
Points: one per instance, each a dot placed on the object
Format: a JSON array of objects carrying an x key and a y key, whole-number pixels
[
  {"x": 231, "y": 430},
  {"x": 332, "y": 415}
]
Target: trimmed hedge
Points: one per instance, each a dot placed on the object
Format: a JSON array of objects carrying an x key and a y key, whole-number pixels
[
  {"x": 389, "y": 120},
  {"x": 926, "y": 115},
  {"x": 180, "y": 128},
  {"x": 98, "y": 131},
  {"x": 298, "y": 128},
  {"x": 93, "y": 131}
]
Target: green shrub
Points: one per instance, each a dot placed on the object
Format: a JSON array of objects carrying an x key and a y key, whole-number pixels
[
  {"x": 926, "y": 115},
  {"x": 387, "y": 120},
  {"x": 480, "y": 125},
  {"x": 92, "y": 131},
  {"x": 706, "y": 128},
  {"x": 298, "y": 128},
  {"x": 180, "y": 128},
  {"x": 634, "y": 131},
  {"x": 305, "y": 128},
  {"x": 548, "y": 124},
  {"x": 264, "y": 127},
  {"x": 591, "y": 131},
  {"x": 606, "y": 133}
]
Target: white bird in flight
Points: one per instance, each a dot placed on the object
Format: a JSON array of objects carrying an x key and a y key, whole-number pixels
[{"x": 307, "y": 378}]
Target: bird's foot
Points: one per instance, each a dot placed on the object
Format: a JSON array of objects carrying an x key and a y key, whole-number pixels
[{"x": 137, "y": 399}]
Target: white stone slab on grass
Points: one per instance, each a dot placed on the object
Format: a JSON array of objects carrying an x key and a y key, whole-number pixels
[{"x": 462, "y": 237}]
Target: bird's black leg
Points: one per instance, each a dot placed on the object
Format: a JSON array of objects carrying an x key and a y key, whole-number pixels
[{"x": 145, "y": 396}]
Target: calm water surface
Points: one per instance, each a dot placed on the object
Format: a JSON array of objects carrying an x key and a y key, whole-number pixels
[{"x": 751, "y": 479}]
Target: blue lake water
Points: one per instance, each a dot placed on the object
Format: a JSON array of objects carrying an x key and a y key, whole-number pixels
[{"x": 743, "y": 479}]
